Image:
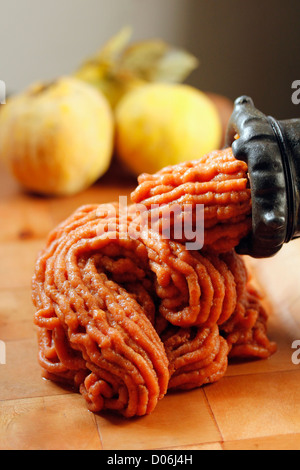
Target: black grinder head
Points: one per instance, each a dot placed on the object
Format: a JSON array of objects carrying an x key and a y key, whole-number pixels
[{"x": 271, "y": 149}]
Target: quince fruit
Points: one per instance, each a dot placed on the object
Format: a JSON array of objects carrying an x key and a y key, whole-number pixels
[
  {"x": 120, "y": 66},
  {"x": 57, "y": 138},
  {"x": 161, "y": 124}
]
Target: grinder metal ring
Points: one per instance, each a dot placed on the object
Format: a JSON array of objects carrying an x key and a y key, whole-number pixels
[{"x": 271, "y": 149}]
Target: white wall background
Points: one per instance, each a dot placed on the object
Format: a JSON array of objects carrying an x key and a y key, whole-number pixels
[
  {"x": 41, "y": 39},
  {"x": 249, "y": 47}
]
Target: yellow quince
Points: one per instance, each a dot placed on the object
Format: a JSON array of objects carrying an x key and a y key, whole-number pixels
[
  {"x": 57, "y": 138},
  {"x": 161, "y": 124}
]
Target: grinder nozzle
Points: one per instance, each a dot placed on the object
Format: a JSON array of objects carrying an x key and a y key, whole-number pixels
[{"x": 271, "y": 149}]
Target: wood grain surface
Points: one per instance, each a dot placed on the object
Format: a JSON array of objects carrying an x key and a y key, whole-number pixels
[{"x": 255, "y": 406}]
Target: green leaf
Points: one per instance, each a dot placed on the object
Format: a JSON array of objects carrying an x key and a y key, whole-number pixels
[{"x": 155, "y": 60}]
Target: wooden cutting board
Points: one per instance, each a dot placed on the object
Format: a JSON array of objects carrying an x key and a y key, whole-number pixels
[{"x": 255, "y": 406}]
